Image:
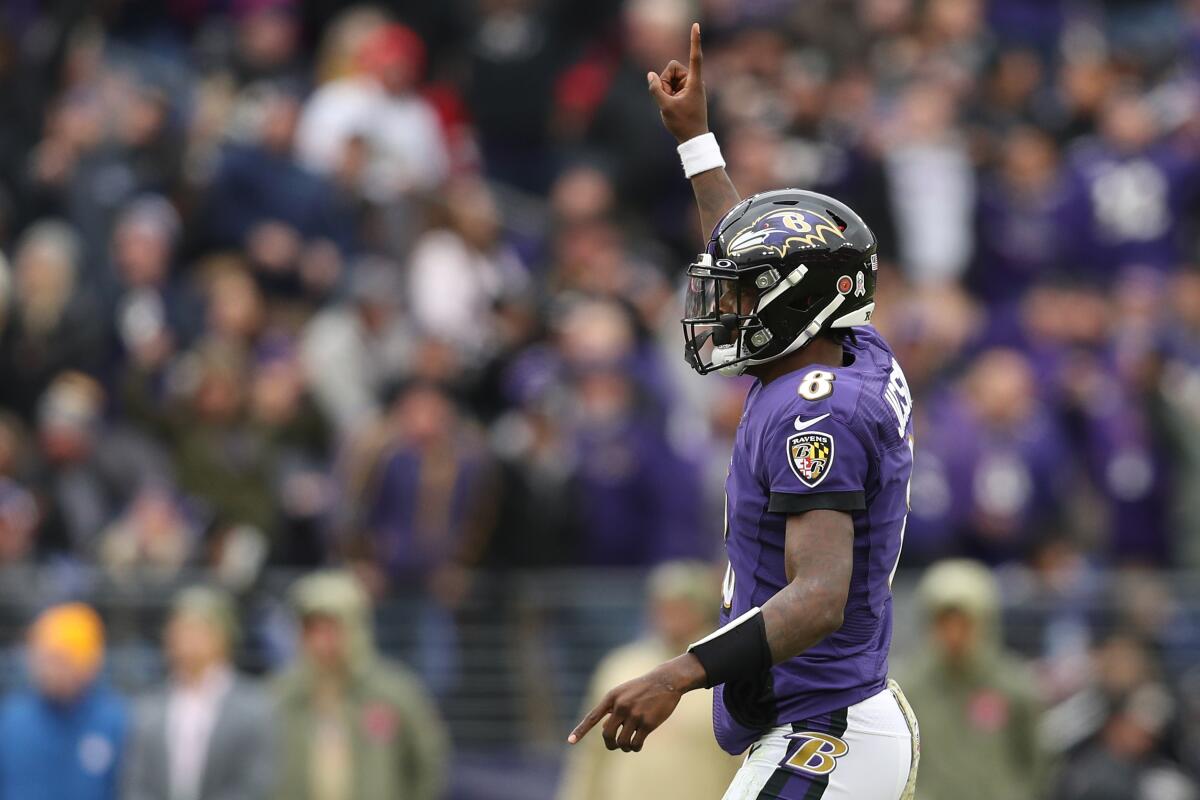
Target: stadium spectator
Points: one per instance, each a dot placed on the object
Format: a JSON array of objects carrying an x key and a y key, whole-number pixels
[
  {"x": 109, "y": 139},
  {"x": 641, "y": 152},
  {"x": 151, "y": 310},
  {"x": 1148, "y": 610},
  {"x": 535, "y": 516},
  {"x": 282, "y": 410},
  {"x": 425, "y": 494},
  {"x": 461, "y": 269},
  {"x": 517, "y": 51},
  {"x": 351, "y": 725},
  {"x": 1114, "y": 729},
  {"x": 686, "y": 763},
  {"x": 1131, "y": 186},
  {"x": 63, "y": 736},
  {"x": 51, "y": 325},
  {"x": 632, "y": 487},
  {"x": 235, "y": 306},
  {"x": 221, "y": 459},
  {"x": 998, "y": 461},
  {"x": 930, "y": 177},
  {"x": 1175, "y": 395},
  {"x": 1058, "y": 610},
  {"x": 268, "y": 41},
  {"x": 353, "y": 350},
  {"x": 88, "y": 471},
  {"x": 151, "y": 541},
  {"x": 18, "y": 524},
  {"x": 207, "y": 734},
  {"x": 976, "y": 703},
  {"x": 582, "y": 192},
  {"x": 1020, "y": 222},
  {"x": 285, "y": 218},
  {"x": 428, "y": 498},
  {"x": 1124, "y": 763},
  {"x": 337, "y": 54},
  {"x": 630, "y": 483},
  {"x": 379, "y": 108},
  {"x": 16, "y": 452}
]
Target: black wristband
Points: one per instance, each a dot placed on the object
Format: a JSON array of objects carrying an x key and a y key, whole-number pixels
[{"x": 738, "y": 650}]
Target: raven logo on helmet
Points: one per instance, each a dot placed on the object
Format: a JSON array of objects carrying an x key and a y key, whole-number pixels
[{"x": 801, "y": 228}]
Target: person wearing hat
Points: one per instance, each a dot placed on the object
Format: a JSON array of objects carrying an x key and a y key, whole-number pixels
[
  {"x": 352, "y": 726},
  {"x": 978, "y": 707},
  {"x": 380, "y": 109},
  {"x": 207, "y": 734},
  {"x": 61, "y": 738},
  {"x": 686, "y": 761}
]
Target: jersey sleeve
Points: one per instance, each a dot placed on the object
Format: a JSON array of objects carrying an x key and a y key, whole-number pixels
[{"x": 815, "y": 462}]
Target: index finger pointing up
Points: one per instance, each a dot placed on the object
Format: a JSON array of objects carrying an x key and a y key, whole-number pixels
[{"x": 696, "y": 57}]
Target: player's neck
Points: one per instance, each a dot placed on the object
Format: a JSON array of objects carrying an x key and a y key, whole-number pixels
[{"x": 822, "y": 350}]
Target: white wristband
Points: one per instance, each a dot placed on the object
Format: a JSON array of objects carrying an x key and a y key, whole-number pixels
[{"x": 700, "y": 154}]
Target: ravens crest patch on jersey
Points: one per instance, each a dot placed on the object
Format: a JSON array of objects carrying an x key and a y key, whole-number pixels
[{"x": 810, "y": 454}]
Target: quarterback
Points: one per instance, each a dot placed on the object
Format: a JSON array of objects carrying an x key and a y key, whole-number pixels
[{"x": 816, "y": 497}]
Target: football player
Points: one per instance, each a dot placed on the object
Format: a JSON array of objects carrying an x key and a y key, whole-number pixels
[{"x": 816, "y": 497}]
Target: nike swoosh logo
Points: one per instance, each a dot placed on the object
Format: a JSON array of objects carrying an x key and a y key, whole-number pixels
[{"x": 804, "y": 425}]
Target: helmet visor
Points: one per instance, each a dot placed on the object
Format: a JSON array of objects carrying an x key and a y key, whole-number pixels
[
  {"x": 719, "y": 309},
  {"x": 700, "y": 297}
]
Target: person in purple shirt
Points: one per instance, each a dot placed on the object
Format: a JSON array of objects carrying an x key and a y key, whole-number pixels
[
  {"x": 1019, "y": 233},
  {"x": 816, "y": 497},
  {"x": 989, "y": 477},
  {"x": 634, "y": 491},
  {"x": 1130, "y": 191}
]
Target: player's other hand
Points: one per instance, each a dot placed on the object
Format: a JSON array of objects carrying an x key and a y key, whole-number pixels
[
  {"x": 637, "y": 707},
  {"x": 679, "y": 92}
]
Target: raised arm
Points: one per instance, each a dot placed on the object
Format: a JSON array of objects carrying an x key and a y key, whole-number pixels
[{"x": 679, "y": 92}]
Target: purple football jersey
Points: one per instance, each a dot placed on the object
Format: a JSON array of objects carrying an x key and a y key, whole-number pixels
[{"x": 820, "y": 437}]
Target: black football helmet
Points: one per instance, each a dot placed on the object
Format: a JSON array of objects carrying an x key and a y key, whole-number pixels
[{"x": 780, "y": 268}]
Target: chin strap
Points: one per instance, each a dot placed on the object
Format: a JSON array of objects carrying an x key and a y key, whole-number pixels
[{"x": 722, "y": 355}]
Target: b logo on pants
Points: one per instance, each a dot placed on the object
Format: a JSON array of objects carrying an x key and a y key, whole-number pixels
[{"x": 817, "y": 754}]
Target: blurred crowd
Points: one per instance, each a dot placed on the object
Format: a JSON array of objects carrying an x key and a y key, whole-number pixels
[
  {"x": 339, "y": 723},
  {"x": 288, "y": 283}
]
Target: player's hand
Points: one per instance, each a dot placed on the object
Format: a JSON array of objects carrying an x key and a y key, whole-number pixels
[
  {"x": 637, "y": 707},
  {"x": 679, "y": 92}
]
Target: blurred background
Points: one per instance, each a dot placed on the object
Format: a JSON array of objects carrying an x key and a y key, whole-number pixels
[{"x": 345, "y": 431}]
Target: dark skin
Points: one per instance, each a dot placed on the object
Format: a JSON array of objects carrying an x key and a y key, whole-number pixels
[
  {"x": 679, "y": 92},
  {"x": 819, "y": 546}
]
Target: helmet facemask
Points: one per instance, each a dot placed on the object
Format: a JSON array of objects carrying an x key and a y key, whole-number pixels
[
  {"x": 736, "y": 318},
  {"x": 721, "y": 326}
]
